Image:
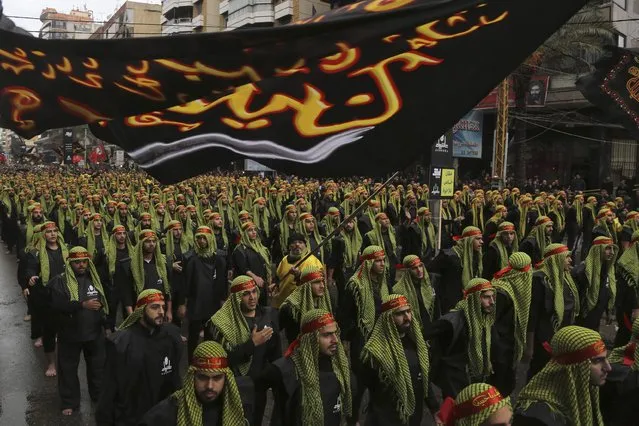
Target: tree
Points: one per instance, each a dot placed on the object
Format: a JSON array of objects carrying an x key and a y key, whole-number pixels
[{"x": 574, "y": 48}]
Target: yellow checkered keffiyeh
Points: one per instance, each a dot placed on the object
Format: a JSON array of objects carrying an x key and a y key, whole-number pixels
[
  {"x": 476, "y": 403},
  {"x": 594, "y": 264},
  {"x": 465, "y": 252},
  {"x": 385, "y": 353},
  {"x": 304, "y": 352},
  {"x": 406, "y": 287},
  {"x": 629, "y": 352},
  {"x": 302, "y": 300},
  {"x": 479, "y": 326},
  {"x": 564, "y": 383},
  {"x": 209, "y": 357}
]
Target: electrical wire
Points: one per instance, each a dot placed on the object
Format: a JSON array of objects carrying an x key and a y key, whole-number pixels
[{"x": 574, "y": 135}]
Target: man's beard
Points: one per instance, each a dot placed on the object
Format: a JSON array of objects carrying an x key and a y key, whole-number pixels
[
  {"x": 37, "y": 220},
  {"x": 149, "y": 322}
]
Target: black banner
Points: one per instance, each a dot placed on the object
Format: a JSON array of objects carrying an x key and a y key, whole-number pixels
[
  {"x": 614, "y": 87},
  {"x": 441, "y": 153},
  {"x": 372, "y": 81},
  {"x": 67, "y": 144}
]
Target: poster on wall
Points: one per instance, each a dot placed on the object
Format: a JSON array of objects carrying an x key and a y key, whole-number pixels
[{"x": 467, "y": 135}]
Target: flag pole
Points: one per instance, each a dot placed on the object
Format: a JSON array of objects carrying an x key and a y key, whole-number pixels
[{"x": 339, "y": 227}]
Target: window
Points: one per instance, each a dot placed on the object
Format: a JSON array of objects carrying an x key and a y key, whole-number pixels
[
  {"x": 622, "y": 4},
  {"x": 621, "y": 40}
]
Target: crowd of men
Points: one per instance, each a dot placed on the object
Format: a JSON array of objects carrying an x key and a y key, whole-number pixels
[{"x": 129, "y": 273}]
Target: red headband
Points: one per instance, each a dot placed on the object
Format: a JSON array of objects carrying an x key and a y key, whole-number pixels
[
  {"x": 118, "y": 228},
  {"x": 415, "y": 262},
  {"x": 541, "y": 221},
  {"x": 154, "y": 297},
  {"x": 148, "y": 234},
  {"x": 471, "y": 233},
  {"x": 79, "y": 255},
  {"x": 507, "y": 228},
  {"x": 316, "y": 324},
  {"x": 210, "y": 363},
  {"x": 313, "y": 276},
  {"x": 49, "y": 225},
  {"x": 243, "y": 286},
  {"x": 603, "y": 213},
  {"x": 373, "y": 255},
  {"x": 334, "y": 213},
  {"x": 305, "y": 216},
  {"x": 203, "y": 230},
  {"x": 558, "y": 250},
  {"x": 581, "y": 355},
  {"x": 394, "y": 303},
  {"x": 603, "y": 242},
  {"x": 145, "y": 216},
  {"x": 507, "y": 269},
  {"x": 244, "y": 215},
  {"x": 487, "y": 398},
  {"x": 486, "y": 285},
  {"x": 175, "y": 226}
]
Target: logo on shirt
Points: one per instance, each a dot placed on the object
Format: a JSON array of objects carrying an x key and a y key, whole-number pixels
[
  {"x": 159, "y": 282},
  {"x": 337, "y": 408},
  {"x": 419, "y": 376},
  {"x": 166, "y": 367},
  {"x": 91, "y": 291}
]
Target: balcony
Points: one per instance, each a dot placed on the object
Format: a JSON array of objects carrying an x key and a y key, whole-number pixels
[
  {"x": 178, "y": 26},
  {"x": 198, "y": 21},
  {"x": 224, "y": 7},
  {"x": 258, "y": 14},
  {"x": 167, "y": 5},
  {"x": 283, "y": 9}
]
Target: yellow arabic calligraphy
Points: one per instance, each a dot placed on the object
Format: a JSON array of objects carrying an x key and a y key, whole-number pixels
[
  {"x": 309, "y": 110},
  {"x": 191, "y": 72},
  {"x": 19, "y": 56}
]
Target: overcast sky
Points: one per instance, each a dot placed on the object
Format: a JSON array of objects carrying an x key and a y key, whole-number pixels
[{"x": 31, "y": 9}]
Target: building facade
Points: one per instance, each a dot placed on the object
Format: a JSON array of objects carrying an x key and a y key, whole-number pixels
[
  {"x": 78, "y": 24},
  {"x": 132, "y": 20}
]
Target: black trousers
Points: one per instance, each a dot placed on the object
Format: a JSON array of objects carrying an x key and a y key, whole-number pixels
[
  {"x": 42, "y": 326},
  {"x": 503, "y": 377},
  {"x": 195, "y": 326},
  {"x": 68, "y": 361}
]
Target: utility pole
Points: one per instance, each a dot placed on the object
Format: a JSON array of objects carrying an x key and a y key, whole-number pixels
[{"x": 500, "y": 154}]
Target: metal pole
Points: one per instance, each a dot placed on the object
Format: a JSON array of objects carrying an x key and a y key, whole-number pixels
[
  {"x": 439, "y": 227},
  {"x": 341, "y": 225}
]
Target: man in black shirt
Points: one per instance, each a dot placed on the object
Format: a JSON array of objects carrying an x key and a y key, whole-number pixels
[
  {"x": 205, "y": 285},
  {"x": 210, "y": 395},
  {"x": 142, "y": 366},
  {"x": 44, "y": 263},
  {"x": 146, "y": 269},
  {"x": 312, "y": 383},
  {"x": 249, "y": 333},
  {"x": 78, "y": 299}
]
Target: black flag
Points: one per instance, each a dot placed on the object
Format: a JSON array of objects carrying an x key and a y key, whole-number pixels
[{"x": 362, "y": 89}]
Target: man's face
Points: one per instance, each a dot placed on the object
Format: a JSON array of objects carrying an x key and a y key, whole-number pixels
[
  {"x": 51, "y": 235},
  {"x": 508, "y": 237},
  {"x": 403, "y": 317},
  {"x": 145, "y": 223},
  {"x": 567, "y": 263},
  {"x": 154, "y": 314},
  {"x": 488, "y": 301},
  {"x": 609, "y": 217},
  {"x": 549, "y": 229},
  {"x": 182, "y": 215},
  {"x": 149, "y": 245},
  {"x": 608, "y": 254},
  {"x": 249, "y": 300},
  {"x": 111, "y": 210},
  {"x": 208, "y": 386},
  {"x": 244, "y": 219},
  {"x": 202, "y": 242},
  {"x": 318, "y": 288},
  {"x": 296, "y": 248},
  {"x": 327, "y": 339},
  {"x": 378, "y": 265},
  {"x": 123, "y": 211},
  {"x": 599, "y": 369},
  {"x": 349, "y": 226},
  {"x": 501, "y": 417},
  {"x": 36, "y": 215},
  {"x": 252, "y": 233},
  {"x": 97, "y": 224},
  {"x": 145, "y": 205},
  {"x": 120, "y": 237},
  {"x": 291, "y": 215},
  {"x": 64, "y": 207},
  {"x": 160, "y": 210},
  {"x": 309, "y": 225},
  {"x": 218, "y": 223},
  {"x": 177, "y": 233},
  {"x": 385, "y": 222},
  {"x": 79, "y": 266},
  {"x": 417, "y": 272},
  {"x": 478, "y": 242}
]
